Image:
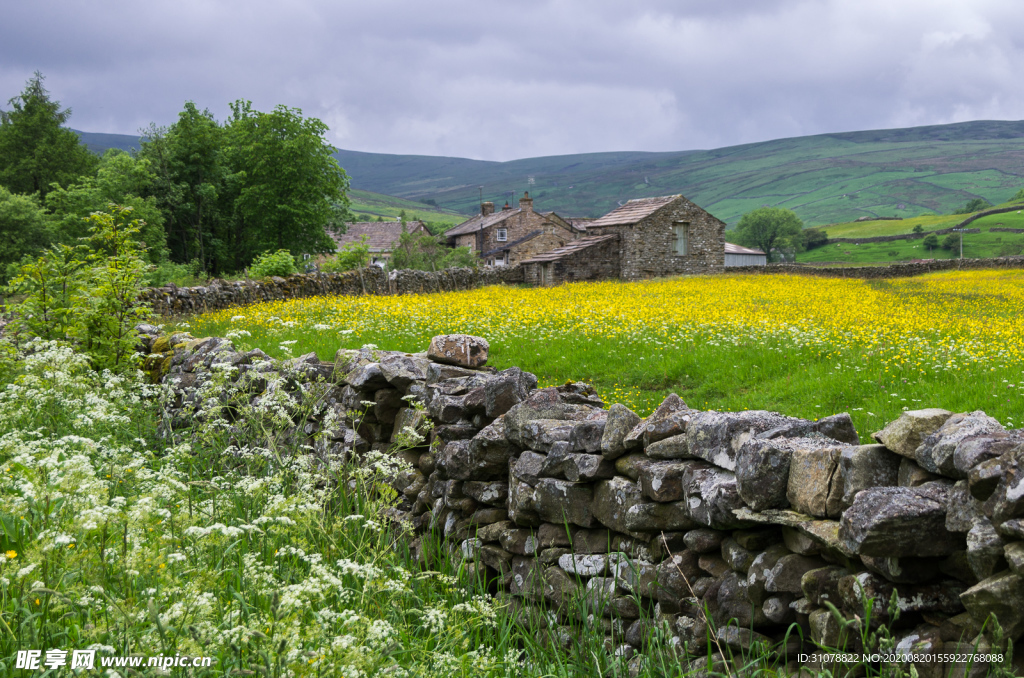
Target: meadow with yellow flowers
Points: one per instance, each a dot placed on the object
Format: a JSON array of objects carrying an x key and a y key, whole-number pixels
[{"x": 803, "y": 346}]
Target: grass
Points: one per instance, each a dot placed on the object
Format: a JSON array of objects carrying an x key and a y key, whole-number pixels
[
  {"x": 976, "y": 245},
  {"x": 367, "y": 206},
  {"x": 806, "y": 347}
]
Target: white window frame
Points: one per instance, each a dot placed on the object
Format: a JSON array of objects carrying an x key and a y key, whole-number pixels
[
  {"x": 681, "y": 242},
  {"x": 501, "y": 235}
]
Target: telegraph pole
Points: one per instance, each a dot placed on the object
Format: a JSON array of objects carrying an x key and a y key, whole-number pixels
[{"x": 961, "y": 232}]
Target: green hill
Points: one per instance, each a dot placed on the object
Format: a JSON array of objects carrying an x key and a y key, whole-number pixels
[
  {"x": 367, "y": 206},
  {"x": 826, "y": 179}
]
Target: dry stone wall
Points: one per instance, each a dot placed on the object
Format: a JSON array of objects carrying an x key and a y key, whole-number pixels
[
  {"x": 895, "y": 270},
  {"x": 716, "y": 527},
  {"x": 173, "y": 300}
]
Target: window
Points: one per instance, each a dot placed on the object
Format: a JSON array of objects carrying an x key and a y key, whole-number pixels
[
  {"x": 502, "y": 234},
  {"x": 682, "y": 234}
]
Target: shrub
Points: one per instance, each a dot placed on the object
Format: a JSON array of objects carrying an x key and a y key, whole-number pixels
[
  {"x": 930, "y": 242},
  {"x": 269, "y": 263},
  {"x": 350, "y": 257},
  {"x": 814, "y": 237},
  {"x": 918, "y": 228},
  {"x": 951, "y": 241},
  {"x": 182, "y": 275},
  {"x": 975, "y": 205}
]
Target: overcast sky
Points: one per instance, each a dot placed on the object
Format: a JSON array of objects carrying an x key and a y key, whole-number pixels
[{"x": 514, "y": 79}]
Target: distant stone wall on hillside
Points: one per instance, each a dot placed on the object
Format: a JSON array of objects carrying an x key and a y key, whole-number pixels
[
  {"x": 172, "y": 300},
  {"x": 894, "y": 270},
  {"x": 893, "y": 238},
  {"x": 710, "y": 528}
]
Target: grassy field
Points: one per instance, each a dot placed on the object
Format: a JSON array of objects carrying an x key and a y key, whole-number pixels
[
  {"x": 367, "y": 206},
  {"x": 806, "y": 347},
  {"x": 976, "y": 245}
]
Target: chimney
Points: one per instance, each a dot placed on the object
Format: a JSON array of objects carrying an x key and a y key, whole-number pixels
[
  {"x": 486, "y": 208},
  {"x": 526, "y": 202},
  {"x": 506, "y": 207}
]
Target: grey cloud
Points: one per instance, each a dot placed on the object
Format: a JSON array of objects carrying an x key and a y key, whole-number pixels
[{"x": 501, "y": 80}]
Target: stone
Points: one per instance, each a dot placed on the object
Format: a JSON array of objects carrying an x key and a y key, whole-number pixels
[
  {"x": 408, "y": 419},
  {"x": 936, "y": 452},
  {"x": 778, "y": 609},
  {"x": 903, "y": 570},
  {"x": 659, "y": 517},
  {"x": 1007, "y": 501},
  {"x": 522, "y": 503},
  {"x": 663, "y": 480},
  {"x": 911, "y": 474},
  {"x": 821, "y": 585},
  {"x": 669, "y": 448},
  {"x": 550, "y": 556},
  {"x": 985, "y": 550},
  {"x": 461, "y": 460},
  {"x": 490, "y": 492},
  {"x": 1001, "y": 595},
  {"x": 560, "y": 589},
  {"x": 492, "y": 444},
  {"x": 717, "y": 437},
  {"x": 713, "y": 564},
  {"x": 584, "y": 565},
  {"x": 543, "y": 403},
  {"x": 962, "y": 510},
  {"x": 367, "y": 377},
  {"x": 401, "y": 371},
  {"x": 527, "y": 578},
  {"x": 762, "y": 473},
  {"x": 444, "y": 434},
  {"x": 591, "y": 541},
  {"x": 492, "y": 532},
  {"x": 495, "y": 558},
  {"x": 631, "y": 465},
  {"x": 733, "y": 606},
  {"x": 703, "y": 540},
  {"x": 542, "y": 434},
  {"x": 899, "y": 521},
  {"x": 463, "y": 350},
  {"x": 674, "y": 575},
  {"x": 576, "y": 467},
  {"x": 757, "y": 539},
  {"x": 559, "y": 501},
  {"x": 737, "y": 557},
  {"x": 712, "y": 496},
  {"x": 437, "y": 372},
  {"x": 621, "y": 420},
  {"x": 786, "y": 575},
  {"x": 507, "y": 388},
  {"x": 1014, "y": 554},
  {"x": 866, "y": 466},
  {"x": 636, "y": 576},
  {"x": 827, "y": 632},
  {"x": 552, "y": 535},
  {"x": 613, "y": 498},
  {"x": 984, "y": 478},
  {"x": 666, "y": 543},
  {"x": 904, "y": 435},
  {"x": 815, "y": 485},
  {"x": 519, "y": 541},
  {"x": 468, "y": 548},
  {"x": 800, "y": 542},
  {"x": 976, "y": 449},
  {"x": 664, "y": 422},
  {"x": 693, "y": 634},
  {"x": 586, "y": 436},
  {"x": 835, "y": 427}
]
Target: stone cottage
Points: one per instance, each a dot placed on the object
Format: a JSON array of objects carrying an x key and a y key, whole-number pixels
[
  {"x": 507, "y": 237},
  {"x": 382, "y": 237},
  {"x": 653, "y": 237}
]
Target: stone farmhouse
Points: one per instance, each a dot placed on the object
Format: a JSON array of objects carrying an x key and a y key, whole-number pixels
[
  {"x": 382, "y": 237},
  {"x": 508, "y": 237},
  {"x": 643, "y": 238}
]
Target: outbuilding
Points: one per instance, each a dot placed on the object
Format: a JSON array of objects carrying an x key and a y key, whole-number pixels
[{"x": 736, "y": 255}]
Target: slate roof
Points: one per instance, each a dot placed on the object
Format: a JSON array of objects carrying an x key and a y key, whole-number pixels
[
  {"x": 382, "y": 234},
  {"x": 632, "y": 211},
  {"x": 571, "y": 248},
  {"x": 509, "y": 245},
  {"x": 737, "y": 249},
  {"x": 480, "y": 222}
]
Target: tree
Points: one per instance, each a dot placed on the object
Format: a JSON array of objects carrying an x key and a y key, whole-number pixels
[
  {"x": 918, "y": 228},
  {"x": 35, "y": 149},
  {"x": 426, "y": 253},
  {"x": 120, "y": 179},
  {"x": 951, "y": 241},
  {"x": 974, "y": 205},
  {"x": 930, "y": 242},
  {"x": 290, "y": 187},
  {"x": 26, "y": 228},
  {"x": 813, "y": 237},
  {"x": 768, "y": 228}
]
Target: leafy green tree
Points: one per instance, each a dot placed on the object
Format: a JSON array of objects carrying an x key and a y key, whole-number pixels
[
  {"x": 768, "y": 228},
  {"x": 289, "y": 185},
  {"x": 951, "y": 241},
  {"x": 121, "y": 179},
  {"x": 426, "y": 252},
  {"x": 918, "y": 228},
  {"x": 813, "y": 237},
  {"x": 1019, "y": 195},
  {"x": 35, "y": 149},
  {"x": 352, "y": 256},
  {"x": 193, "y": 187},
  {"x": 25, "y": 226},
  {"x": 930, "y": 242},
  {"x": 975, "y": 205}
]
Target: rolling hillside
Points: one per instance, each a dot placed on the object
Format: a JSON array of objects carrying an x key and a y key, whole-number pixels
[{"x": 826, "y": 179}]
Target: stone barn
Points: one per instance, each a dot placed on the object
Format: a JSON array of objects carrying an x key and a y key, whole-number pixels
[
  {"x": 507, "y": 237},
  {"x": 663, "y": 236},
  {"x": 591, "y": 258}
]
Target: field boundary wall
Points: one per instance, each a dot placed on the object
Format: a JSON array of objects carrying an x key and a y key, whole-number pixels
[
  {"x": 894, "y": 270},
  {"x": 681, "y": 521}
]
